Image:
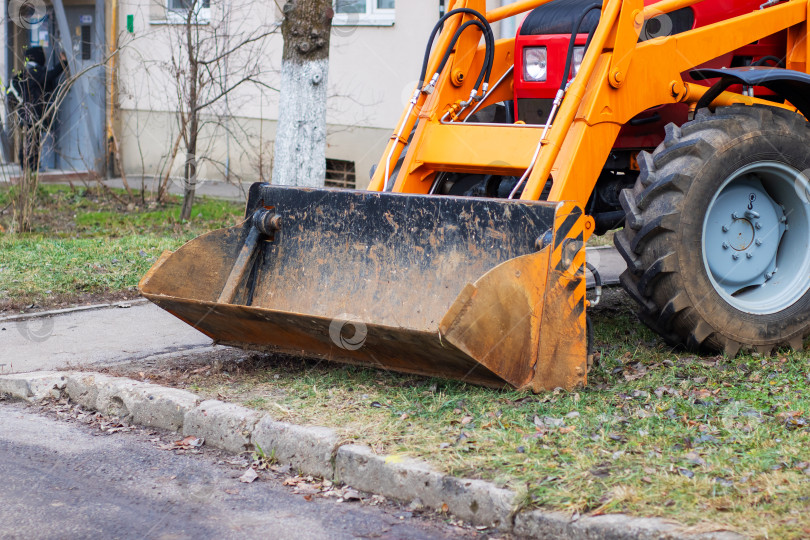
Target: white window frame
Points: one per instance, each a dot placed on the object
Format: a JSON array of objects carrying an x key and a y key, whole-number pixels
[
  {"x": 179, "y": 16},
  {"x": 373, "y": 16}
]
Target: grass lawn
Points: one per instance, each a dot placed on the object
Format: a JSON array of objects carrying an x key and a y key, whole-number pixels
[
  {"x": 708, "y": 441},
  {"x": 87, "y": 245}
]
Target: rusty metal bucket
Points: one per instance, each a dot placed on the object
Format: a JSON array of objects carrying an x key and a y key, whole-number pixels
[{"x": 490, "y": 292}]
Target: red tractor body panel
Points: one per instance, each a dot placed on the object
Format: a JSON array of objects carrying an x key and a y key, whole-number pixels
[{"x": 533, "y": 99}]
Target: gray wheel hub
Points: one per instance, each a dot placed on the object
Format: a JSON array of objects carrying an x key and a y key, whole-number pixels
[{"x": 755, "y": 238}]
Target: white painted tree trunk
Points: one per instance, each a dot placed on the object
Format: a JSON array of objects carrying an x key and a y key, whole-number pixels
[{"x": 300, "y": 145}]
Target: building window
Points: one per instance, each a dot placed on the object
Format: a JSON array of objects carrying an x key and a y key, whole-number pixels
[
  {"x": 178, "y": 10},
  {"x": 340, "y": 174},
  {"x": 364, "y": 13}
]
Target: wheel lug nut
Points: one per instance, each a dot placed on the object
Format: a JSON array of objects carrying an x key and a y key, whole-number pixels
[
  {"x": 725, "y": 228},
  {"x": 725, "y": 245},
  {"x": 758, "y": 226},
  {"x": 735, "y": 256},
  {"x": 758, "y": 242},
  {"x": 749, "y": 255},
  {"x": 735, "y": 215}
]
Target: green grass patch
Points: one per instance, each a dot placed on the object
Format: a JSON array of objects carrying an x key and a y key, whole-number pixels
[
  {"x": 709, "y": 441},
  {"x": 600, "y": 241},
  {"x": 86, "y": 241},
  {"x": 209, "y": 212}
]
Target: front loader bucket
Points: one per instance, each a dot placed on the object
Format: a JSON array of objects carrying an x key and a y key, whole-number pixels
[{"x": 489, "y": 292}]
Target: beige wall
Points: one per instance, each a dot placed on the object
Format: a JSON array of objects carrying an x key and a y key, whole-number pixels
[
  {"x": 372, "y": 73},
  {"x": 145, "y": 147}
]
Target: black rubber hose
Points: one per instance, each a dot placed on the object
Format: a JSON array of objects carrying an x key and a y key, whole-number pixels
[
  {"x": 590, "y": 37},
  {"x": 597, "y": 283},
  {"x": 764, "y": 59},
  {"x": 574, "y": 31},
  {"x": 489, "y": 37},
  {"x": 489, "y": 40},
  {"x": 452, "y": 46},
  {"x": 489, "y": 59}
]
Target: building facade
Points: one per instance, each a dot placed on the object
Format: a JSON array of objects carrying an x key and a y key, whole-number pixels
[{"x": 122, "y": 114}]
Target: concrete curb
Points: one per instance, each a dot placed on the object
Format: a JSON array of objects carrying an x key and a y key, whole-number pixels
[
  {"x": 34, "y": 386},
  {"x": 318, "y": 451},
  {"x": 307, "y": 449},
  {"x": 478, "y": 502},
  {"x": 54, "y": 312},
  {"x": 222, "y": 425}
]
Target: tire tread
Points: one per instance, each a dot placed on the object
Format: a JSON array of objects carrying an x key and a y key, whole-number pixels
[{"x": 654, "y": 207}]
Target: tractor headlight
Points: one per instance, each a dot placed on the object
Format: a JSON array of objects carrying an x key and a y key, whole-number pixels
[
  {"x": 576, "y": 61},
  {"x": 535, "y": 63}
]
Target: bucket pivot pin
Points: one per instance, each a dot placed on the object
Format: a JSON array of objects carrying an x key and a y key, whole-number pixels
[{"x": 264, "y": 224}]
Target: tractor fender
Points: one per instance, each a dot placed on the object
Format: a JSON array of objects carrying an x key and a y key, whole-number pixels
[{"x": 792, "y": 85}]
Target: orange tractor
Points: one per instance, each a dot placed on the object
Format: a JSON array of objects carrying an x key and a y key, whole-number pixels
[{"x": 682, "y": 122}]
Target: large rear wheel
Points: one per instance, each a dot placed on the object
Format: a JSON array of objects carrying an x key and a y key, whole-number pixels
[{"x": 717, "y": 235}]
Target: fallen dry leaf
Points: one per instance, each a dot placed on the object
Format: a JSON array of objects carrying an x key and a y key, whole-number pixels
[
  {"x": 686, "y": 472},
  {"x": 306, "y": 489},
  {"x": 189, "y": 442},
  {"x": 249, "y": 476},
  {"x": 351, "y": 495},
  {"x": 693, "y": 457}
]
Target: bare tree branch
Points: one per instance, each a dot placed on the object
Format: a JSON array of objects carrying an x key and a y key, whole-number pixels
[{"x": 224, "y": 54}]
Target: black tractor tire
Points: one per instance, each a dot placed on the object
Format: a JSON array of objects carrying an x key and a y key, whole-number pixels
[{"x": 662, "y": 238}]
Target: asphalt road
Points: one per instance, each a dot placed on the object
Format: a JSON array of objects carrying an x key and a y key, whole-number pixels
[{"x": 68, "y": 480}]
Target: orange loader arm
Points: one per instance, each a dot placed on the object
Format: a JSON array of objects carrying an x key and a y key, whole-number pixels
[{"x": 619, "y": 78}]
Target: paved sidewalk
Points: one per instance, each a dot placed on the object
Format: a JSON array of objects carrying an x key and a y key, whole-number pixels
[
  {"x": 99, "y": 336},
  {"x": 608, "y": 262}
]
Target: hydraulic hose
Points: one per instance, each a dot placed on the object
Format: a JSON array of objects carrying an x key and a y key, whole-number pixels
[
  {"x": 486, "y": 70},
  {"x": 597, "y": 284},
  {"x": 762, "y": 61},
  {"x": 489, "y": 37},
  {"x": 569, "y": 57}
]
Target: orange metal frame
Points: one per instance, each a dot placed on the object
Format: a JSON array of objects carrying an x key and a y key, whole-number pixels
[{"x": 618, "y": 79}]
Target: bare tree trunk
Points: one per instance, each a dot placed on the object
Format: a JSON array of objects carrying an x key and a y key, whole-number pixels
[
  {"x": 190, "y": 168},
  {"x": 300, "y": 146},
  {"x": 163, "y": 187},
  {"x": 23, "y": 202},
  {"x": 119, "y": 163},
  {"x": 26, "y": 191}
]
